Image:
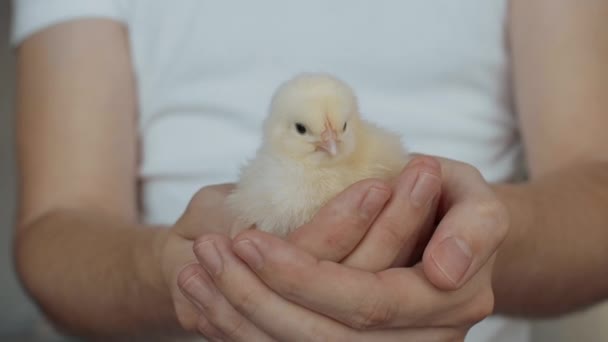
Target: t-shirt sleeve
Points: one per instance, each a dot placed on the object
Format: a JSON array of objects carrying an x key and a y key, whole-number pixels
[{"x": 31, "y": 16}]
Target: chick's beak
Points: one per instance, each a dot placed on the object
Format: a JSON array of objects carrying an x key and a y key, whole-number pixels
[{"x": 329, "y": 141}]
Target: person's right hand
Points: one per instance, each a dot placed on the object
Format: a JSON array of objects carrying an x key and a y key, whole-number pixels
[{"x": 205, "y": 214}]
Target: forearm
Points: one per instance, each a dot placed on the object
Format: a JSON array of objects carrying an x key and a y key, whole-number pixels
[
  {"x": 556, "y": 256},
  {"x": 94, "y": 275}
]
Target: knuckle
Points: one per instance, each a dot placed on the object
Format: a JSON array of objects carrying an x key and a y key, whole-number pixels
[
  {"x": 323, "y": 335},
  {"x": 339, "y": 243},
  {"x": 187, "y": 275},
  {"x": 189, "y": 323},
  {"x": 481, "y": 307},
  {"x": 290, "y": 286},
  {"x": 502, "y": 217},
  {"x": 372, "y": 314},
  {"x": 235, "y": 329},
  {"x": 205, "y": 197},
  {"x": 494, "y": 214},
  {"x": 214, "y": 308},
  {"x": 248, "y": 303},
  {"x": 292, "y": 283},
  {"x": 209, "y": 331},
  {"x": 222, "y": 318},
  {"x": 394, "y": 234},
  {"x": 469, "y": 169},
  {"x": 487, "y": 303},
  {"x": 204, "y": 328},
  {"x": 426, "y": 160},
  {"x": 336, "y": 213}
]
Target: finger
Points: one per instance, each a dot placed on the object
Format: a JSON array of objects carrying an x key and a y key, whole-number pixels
[
  {"x": 210, "y": 332},
  {"x": 340, "y": 225},
  {"x": 218, "y": 319},
  {"x": 392, "y": 298},
  {"x": 209, "y": 326},
  {"x": 417, "y": 335},
  {"x": 404, "y": 221},
  {"x": 278, "y": 317},
  {"x": 469, "y": 234}
]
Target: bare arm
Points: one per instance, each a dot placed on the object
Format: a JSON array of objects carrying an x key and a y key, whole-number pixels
[
  {"x": 556, "y": 256},
  {"x": 80, "y": 251}
]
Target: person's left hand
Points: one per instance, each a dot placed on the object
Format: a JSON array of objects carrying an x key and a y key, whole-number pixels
[{"x": 287, "y": 294}]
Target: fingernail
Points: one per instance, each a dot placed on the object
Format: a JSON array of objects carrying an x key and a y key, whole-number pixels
[
  {"x": 199, "y": 291},
  {"x": 247, "y": 251},
  {"x": 211, "y": 259},
  {"x": 374, "y": 201},
  {"x": 424, "y": 190},
  {"x": 453, "y": 257}
]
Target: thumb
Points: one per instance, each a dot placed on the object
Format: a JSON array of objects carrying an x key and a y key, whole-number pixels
[
  {"x": 340, "y": 225},
  {"x": 469, "y": 234}
]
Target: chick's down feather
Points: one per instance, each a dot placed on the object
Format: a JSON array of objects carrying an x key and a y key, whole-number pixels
[{"x": 315, "y": 144}]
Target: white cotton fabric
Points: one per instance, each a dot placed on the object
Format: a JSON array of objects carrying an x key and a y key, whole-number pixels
[{"x": 436, "y": 71}]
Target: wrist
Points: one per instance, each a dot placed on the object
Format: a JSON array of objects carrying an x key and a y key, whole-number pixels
[
  {"x": 521, "y": 205},
  {"x": 175, "y": 254},
  {"x": 148, "y": 260}
]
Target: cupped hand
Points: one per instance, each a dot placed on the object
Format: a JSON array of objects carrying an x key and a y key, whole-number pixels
[
  {"x": 281, "y": 293},
  {"x": 205, "y": 214},
  {"x": 437, "y": 300},
  {"x": 373, "y": 225}
]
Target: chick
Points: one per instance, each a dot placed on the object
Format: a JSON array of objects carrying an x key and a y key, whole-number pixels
[{"x": 315, "y": 144}]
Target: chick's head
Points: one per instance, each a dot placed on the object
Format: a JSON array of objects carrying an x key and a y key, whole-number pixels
[{"x": 313, "y": 118}]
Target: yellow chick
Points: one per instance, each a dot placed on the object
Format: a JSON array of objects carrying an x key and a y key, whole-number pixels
[{"x": 315, "y": 144}]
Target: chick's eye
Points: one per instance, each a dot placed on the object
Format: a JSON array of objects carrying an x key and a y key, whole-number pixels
[
  {"x": 344, "y": 128},
  {"x": 300, "y": 128}
]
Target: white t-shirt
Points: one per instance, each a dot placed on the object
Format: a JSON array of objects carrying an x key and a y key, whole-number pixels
[{"x": 437, "y": 71}]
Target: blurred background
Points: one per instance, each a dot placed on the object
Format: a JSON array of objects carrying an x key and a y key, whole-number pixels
[{"x": 20, "y": 321}]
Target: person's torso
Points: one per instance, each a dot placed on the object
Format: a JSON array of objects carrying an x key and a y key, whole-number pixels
[{"x": 435, "y": 71}]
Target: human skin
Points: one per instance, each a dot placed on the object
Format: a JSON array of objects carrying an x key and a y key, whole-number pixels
[
  {"x": 79, "y": 236},
  {"x": 553, "y": 258}
]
